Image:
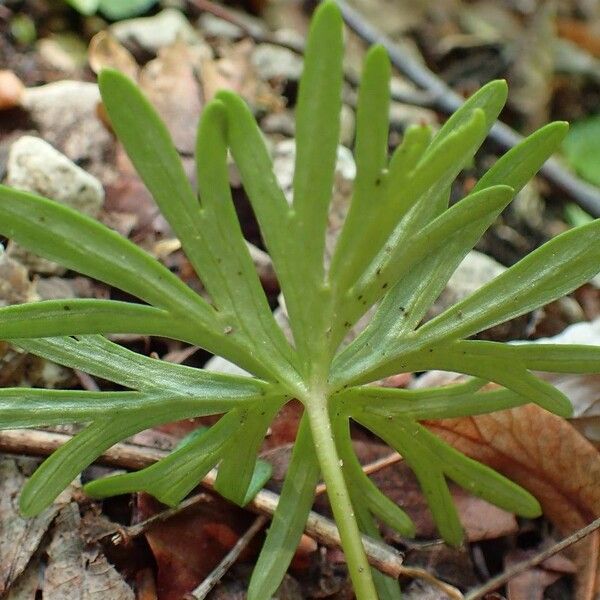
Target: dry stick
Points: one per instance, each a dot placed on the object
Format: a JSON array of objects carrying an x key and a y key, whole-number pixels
[
  {"x": 383, "y": 557},
  {"x": 122, "y": 534},
  {"x": 447, "y": 100},
  {"x": 217, "y": 574},
  {"x": 521, "y": 567}
]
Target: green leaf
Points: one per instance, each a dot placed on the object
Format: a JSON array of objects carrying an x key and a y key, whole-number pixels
[
  {"x": 102, "y": 358},
  {"x": 407, "y": 303},
  {"x": 26, "y": 407},
  {"x": 62, "y": 466},
  {"x": 289, "y": 519},
  {"x": 464, "y": 357},
  {"x": 582, "y": 148},
  {"x": 82, "y": 244},
  {"x": 479, "y": 479},
  {"x": 261, "y": 474},
  {"x": 555, "y": 269},
  {"x": 490, "y": 99},
  {"x": 363, "y": 490},
  {"x": 407, "y": 210},
  {"x": 401, "y": 256},
  {"x": 555, "y": 358},
  {"x": 521, "y": 163},
  {"x": 459, "y": 400},
  {"x": 239, "y": 289},
  {"x": 317, "y": 132},
  {"x": 176, "y": 475},
  {"x": 237, "y": 469},
  {"x": 372, "y": 122},
  {"x": 274, "y": 217},
  {"x": 401, "y": 435},
  {"x": 124, "y": 9},
  {"x": 149, "y": 145},
  {"x": 71, "y": 317}
]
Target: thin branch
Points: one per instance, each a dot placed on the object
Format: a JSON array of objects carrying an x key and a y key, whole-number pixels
[
  {"x": 217, "y": 574},
  {"x": 447, "y": 100},
  {"x": 122, "y": 534},
  {"x": 539, "y": 558},
  {"x": 383, "y": 557}
]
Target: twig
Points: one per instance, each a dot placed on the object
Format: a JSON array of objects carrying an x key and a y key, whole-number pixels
[
  {"x": 521, "y": 567},
  {"x": 447, "y": 100},
  {"x": 120, "y": 535},
  {"x": 217, "y": 574},
  {"x": 383, "y": 557}
]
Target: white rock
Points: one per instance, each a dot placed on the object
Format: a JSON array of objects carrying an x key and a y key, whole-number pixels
[
  {"x": 276, "y": 62},
  {"x": 65, "y": 114},
  {"x": 347, "y": 126},
  {"x": 152, "y": 33},
  {"x": 284, "y": 155},
  {"x": 35, "y": 166}
]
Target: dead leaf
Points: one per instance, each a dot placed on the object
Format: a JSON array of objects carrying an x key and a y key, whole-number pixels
[
  {"x": 585, "y": 35},
  {"x": 75, "y": 571},
  {"x": 189, "y": 545},
  {"x": 170, "y": 84},
  {"x": 234, "y": 71},
  {"x": 531, "y": 584},
  {"x": 27, "y": 584},
  {"x": 547, "y": 456},
  {"x": 19, "y": 537},
  {"x": 105, "y": 51}
]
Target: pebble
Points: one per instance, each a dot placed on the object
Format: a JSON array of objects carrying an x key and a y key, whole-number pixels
[
  {"x": 65, "y": 115},
  {"x": 11, "y": 90},
  {"x": 35, "y": 166},
  {"x": 153, "y": 33},
  {"x": 276, "y": 62}
]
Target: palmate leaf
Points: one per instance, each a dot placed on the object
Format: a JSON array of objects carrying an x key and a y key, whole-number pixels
[
  {"x": 398, "y": 248},
  {"x": 166, "y": 392}
]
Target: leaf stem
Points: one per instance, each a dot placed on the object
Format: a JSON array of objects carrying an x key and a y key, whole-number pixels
[{"x": 329, "y": 461}]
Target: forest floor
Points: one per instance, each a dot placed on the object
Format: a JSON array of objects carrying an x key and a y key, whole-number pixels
[{"x": 181, "y": 52}]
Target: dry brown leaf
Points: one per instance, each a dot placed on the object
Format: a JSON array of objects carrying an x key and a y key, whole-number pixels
[
  {"x": 531, "y": 584},
  {"x": 77, "y": 571},
  {"x": 547, "y": 456},
  {"x": 234, "y": 71},
  {"x": 19, "y": 537},
  {"x": 585, "y": 35},
  {"x": 188, "y": 546},
  {"x": 170, "y": 84},
  {"x": 105, "y": 51}
]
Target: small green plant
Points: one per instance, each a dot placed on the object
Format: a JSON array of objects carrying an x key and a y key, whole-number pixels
[{"x": 399, "y": 245}]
